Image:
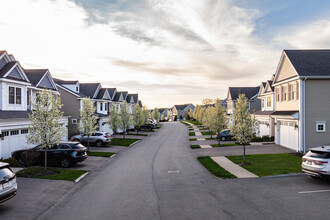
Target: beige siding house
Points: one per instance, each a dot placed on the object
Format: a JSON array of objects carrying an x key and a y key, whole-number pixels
[{"x": 302, "y": 99}]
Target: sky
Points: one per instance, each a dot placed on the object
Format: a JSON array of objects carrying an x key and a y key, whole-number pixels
[{"x": 168, "y": 51}]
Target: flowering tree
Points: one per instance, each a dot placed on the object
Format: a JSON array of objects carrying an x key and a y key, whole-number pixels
[
  {"x": 125, "y": 117},
  {"x": 146, "y": 114},
  {"x": 114, "y": 118},
  {"x": 138, "y": 117},
  {"x": 45, "y": 128},
  {"x": 219, "y": 120},
  {"x": 242, "y": 128},
  {"x": 156, "y": 114},
  {"x": 88, "y": 120},
  {"x": 196, "y": 112}
]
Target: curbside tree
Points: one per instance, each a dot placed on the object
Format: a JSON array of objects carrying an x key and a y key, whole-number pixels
[
  {"x": 146, "y": 114},
  {"x": 243, "y": 125},
  {"x": 45, "y": 128},
  {"x": 88, "y": 120},
  {"x": 138, "y": 118},
  {"x": 125, "y": 118},
  {"x": 219, "y": 120},
  {"x": 114, "y": 118},
  {"x": 156, "y": 114}
]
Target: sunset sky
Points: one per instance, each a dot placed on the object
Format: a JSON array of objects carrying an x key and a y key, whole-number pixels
[{"x": 168, "y": 51}]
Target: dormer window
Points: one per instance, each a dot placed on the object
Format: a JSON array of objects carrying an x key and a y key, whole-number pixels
[{"x": 15, "y": 95}]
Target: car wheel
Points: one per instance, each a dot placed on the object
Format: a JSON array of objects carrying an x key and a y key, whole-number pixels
[
  {"x": 65, "y": 162},
  {"x": 99, "y": 143},
  {"x": 223, "y": 138}
]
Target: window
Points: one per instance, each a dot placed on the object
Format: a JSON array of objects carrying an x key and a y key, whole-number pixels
[
  {"x": 24, "y": 131},
  {"x": 285, "y": 93},
  {"x": 15, "y": 95},
  {"x": 278, "y": 94},
  {"x": 77, "y": 89},
  {"x": 263, "y": 103},
  {"x": 105, "y": 107},
  {"x": 101, "y": 106},
  {"x": 293, "y": 92},
  {"x": 5, "y": 133},
  {"x": 14, "y": 132},
  {"x": 248, "y": 105},
  {"x": 320, "y": 127},
  {"x": 28, "y": 95},
  {"x": 74, "y": 121},
  {"x": 269, "y": 101}
]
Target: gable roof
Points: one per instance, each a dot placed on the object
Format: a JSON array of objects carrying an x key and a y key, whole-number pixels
[
  {"x": 140, "y": 103},
  {"x": 310, "y": 62},
  {"x": 89, "y": 89},
  {"x": 249, "y": 92},
  {"x": 182, "y": 107},
  {"x": 101, "y": 93},
  {"x": 112, "y": 92},
  {"x": 60, "y": 81},
  {"x": 118, "y": 94}
]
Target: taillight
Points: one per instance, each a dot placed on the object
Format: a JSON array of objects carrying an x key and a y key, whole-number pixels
[
  {"x": 77, "y": 150},
  {"x": 320, "y": 162}
]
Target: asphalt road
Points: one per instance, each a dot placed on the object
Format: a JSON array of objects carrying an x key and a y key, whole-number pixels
[{"x": 160, "y": 178}]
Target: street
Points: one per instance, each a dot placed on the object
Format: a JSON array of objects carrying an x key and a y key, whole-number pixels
[{"x": 160, "y": 178}]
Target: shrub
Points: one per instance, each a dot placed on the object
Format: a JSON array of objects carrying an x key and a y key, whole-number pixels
[
  {"x": 264, "y": 138},
  {"x": 12, "y": 161}
]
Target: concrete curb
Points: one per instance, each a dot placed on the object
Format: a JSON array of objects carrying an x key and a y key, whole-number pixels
[
  {"x": 284, "y": 175},
  {"x": 134, "y": 143},
  {"x": 81, "y": 177}
]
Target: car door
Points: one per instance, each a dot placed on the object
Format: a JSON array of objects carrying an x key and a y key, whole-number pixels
[{"x": 52, "y": 154}]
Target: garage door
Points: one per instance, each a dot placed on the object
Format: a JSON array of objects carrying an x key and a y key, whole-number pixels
[
  {"x": 288, "y": 134},
  {"x": 264, "y": 129}
]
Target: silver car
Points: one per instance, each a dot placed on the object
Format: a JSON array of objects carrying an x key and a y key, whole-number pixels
[
  {"x": 316, "y": 162},
  {"x": 98, "y": 138},
  {"x": 8, "y": 184}
]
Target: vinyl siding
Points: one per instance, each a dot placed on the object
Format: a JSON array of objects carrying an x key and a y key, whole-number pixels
[
  {"x": 285, "y": 71},
  {"x": 292, "y": 105},
  {"x": 317, "y": 109}
]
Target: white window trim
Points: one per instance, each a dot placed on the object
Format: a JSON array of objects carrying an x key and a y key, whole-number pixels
[{"x": 320, "y": 123}]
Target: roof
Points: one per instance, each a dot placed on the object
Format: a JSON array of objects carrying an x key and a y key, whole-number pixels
[
  {"x": 88, "y": 89},
  {"x": 117, "y": 96},
  {"x": 162, "y": 109},
  {"x": 310, "y": 62},
  {"x": 111, "y": 91},
  {"x": 6, "y": 68},
  {"x": 35, "y": 75},
  {"x": 140, "y": 103},
  {"x": 60, "y": 81},
  {"x": 181, "y": 107},
  {"x": 284, "y": 113},
  {"x": 135, "y": 97},
  {"x": 101, "y": 93},
  {"x": 14, "y": 114},
  {"x": 248, "y": 91},
  {"x": 263, "y": 112}
]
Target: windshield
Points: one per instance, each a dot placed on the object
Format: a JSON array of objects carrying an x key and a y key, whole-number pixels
[{"x": 5, "y": 173}]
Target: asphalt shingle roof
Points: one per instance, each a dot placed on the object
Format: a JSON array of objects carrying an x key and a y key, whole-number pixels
[
  {"x": 310, "y": 62},
  {"x": 14, "y": 114},
  {"x": 6, "y": 68},
  {"x": 88, "y": 89},
  {"x": 101, "y": 93},
  {"x": 248, "y": 91},
  {"x": 111, "y": 92},
  {"x": 35, "y": 75}
]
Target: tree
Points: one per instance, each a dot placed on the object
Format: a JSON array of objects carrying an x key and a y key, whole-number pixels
[
  {"x": 162, "y": 117},
  {"x": 242, "y": 128},
  {"x": 189, "y": 114},
  {"x": 219, "y": 120},
  {"x": 196, "y": 112},
  {"x": 88, "y": 121},
  {"x": 201, "y": 115},
  {"x": 114, "y": 118},
  {"x": 45, "y": 129},
  {"x": 125, "y": 118},
  {"x": 207, "y": 101},
  {"x": 156, "y": 114},
  {"x": 146, "y": 114},
  {"x": 138, "y": 117},
  {"x": 208, "y": 117}
]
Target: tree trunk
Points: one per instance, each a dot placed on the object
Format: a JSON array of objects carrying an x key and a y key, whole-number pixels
[
  {"x": 88, "y": 143},
  {"x": 210, "y": 133},
  {"x": 46, "y": 157},
  {"x": 244, "y": 162}
]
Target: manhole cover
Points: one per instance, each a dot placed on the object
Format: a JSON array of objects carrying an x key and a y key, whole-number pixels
[{"x": 173, "y": 171}]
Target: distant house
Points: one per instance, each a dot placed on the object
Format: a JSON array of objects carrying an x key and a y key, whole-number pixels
[
  {"x": 251, "y": 94},
  {"x": 302, "y": 101},
  {"x": 18, "y": 87},
  {"x": 163, "y": 113},
  {"x": 181, "y": 111}
]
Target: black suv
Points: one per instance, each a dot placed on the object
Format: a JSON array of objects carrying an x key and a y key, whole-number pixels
[
  {"x": 65, "y": 154},
  {"x": 147, "y": 127},
  {"x": 225, "y": 135}
]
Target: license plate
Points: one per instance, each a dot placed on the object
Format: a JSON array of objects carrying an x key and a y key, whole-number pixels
[{"x": 5, "y": 185}]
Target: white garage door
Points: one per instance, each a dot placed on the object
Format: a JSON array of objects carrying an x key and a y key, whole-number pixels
[{"x": 288, "y": 135}]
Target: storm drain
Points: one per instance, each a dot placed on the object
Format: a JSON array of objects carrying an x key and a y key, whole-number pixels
[{"x": 173, "y": 171}]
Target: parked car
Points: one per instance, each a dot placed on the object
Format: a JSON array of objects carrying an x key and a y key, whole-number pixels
[
  {"x": 64, "y": 154},
  {"x": 316, "y": 162},
  {"x": 147, "y": 127},
  {"x": 8, "y": 184},
  {"x": 98, "y": 138},
  {"x": 225, "y": 135}
]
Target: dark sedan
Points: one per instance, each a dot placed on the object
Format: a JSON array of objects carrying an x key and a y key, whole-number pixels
[
  {"x": 64, "y": 154},
  {"x": 225, "y": 135}
]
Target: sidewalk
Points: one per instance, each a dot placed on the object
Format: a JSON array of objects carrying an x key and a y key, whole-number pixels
[{"x": 233, "y": 168}]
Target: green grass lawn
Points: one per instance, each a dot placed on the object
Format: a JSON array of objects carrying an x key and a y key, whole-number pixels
[
  {"x": 270, "y": 164},
  {"x": 193, "y": 139},
  {"x": 139, "y": 134},
  {"x": 100, "y": 154},
  {"x": 192, "y": 133},
  {"x": 191, "y": 129},
  {"x": 194, "y": 146},
  {"x": 195, "y": 122},
  {"x": 123, "y": 142},
  {"x": 208, "y": 133},
  {"x": 224, "y": 145},
  {"x": 211, "y": 139},
  {"x": 52, "y": 173},
  {"x": 214, "y": 168},
  {"x": 185, "y": 123}
]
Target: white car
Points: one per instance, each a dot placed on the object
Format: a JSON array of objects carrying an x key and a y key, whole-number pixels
[
  {"x": 8, "y": 184},
  {"x": 98, "y": 138},
  {"x": 316, "y": 163}
]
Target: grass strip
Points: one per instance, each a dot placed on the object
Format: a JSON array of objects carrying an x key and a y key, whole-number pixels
[
  {"x": 195, "y": 146},
  {"x": 185, "y": 123},
  {"x": 210, "y": 138},
  {"x": 214, "y": 168},
  {"x": 193, "y": 139},
  {"x": 51, "y": 173},
  {"x": 224, "y": 145},
  {"x": 191, "y": 133},
  {"x": 270, "y": 164},
  {"x": 123, "y": 142},
  {"x": 208, "y": 133},
  {"x": 100, "y": 154},
  {"x": 195, "y": 123}
]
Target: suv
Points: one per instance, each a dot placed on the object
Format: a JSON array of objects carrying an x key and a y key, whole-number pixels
[
  {"x": 147, "y": 127},
  {"x": 65, "y": 154},
  {"x": 98, "y": 138},
  {"x": 316, "y": 162},
  {"x": 224, "y": 135},
  {"x": 8, "y": 184}
]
